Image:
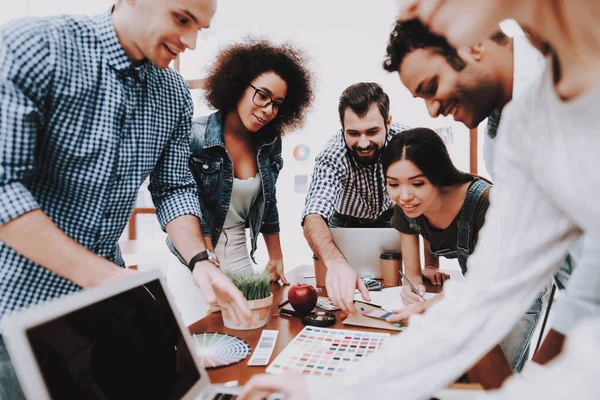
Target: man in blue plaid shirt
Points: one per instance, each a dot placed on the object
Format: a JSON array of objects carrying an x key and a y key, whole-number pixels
[
  {"x": 348, "y": 188},
  {"x": 89, "y": 110}
]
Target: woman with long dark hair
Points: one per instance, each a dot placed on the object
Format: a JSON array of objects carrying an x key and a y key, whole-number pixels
[{"x": 433, "y": 199}]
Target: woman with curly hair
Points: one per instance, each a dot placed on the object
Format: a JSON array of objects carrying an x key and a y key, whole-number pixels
[{"x": 261, "y": 91}]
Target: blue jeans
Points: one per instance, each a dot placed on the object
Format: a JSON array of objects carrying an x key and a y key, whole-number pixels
[
  {"x": 10, "y": 389},
  {"x": 516, "y": 344}
]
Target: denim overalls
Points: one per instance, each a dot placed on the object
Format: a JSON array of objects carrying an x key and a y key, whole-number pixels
[{"x": 464, "y": 247}]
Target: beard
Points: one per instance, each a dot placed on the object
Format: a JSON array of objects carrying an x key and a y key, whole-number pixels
[
  {"x": 368, "y": 160},
  {"x": 477, "y": 101}
]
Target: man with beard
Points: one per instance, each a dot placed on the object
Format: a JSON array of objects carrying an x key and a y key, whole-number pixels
[
  {"x": 471, "y": 84},
  {"x": 348, "y": 187},
  {"x": 88, "y": 110}
]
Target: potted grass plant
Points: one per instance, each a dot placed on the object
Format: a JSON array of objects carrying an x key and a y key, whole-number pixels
[{"x": 256, "y": 288}]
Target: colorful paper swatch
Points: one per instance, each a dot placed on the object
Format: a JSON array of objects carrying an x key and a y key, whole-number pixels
[
  {"x": 264, "y": 348},
  {"x": 327, "y": 352},
  {"x": 219, "y": 349}
]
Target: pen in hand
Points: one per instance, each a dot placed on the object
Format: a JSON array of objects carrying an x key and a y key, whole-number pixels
[{"x": 411, "y": 285}]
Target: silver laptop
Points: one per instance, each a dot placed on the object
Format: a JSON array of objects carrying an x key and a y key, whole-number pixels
[
  {"x": 363, "y": 246},
  {"x": 119, "y": 341}
]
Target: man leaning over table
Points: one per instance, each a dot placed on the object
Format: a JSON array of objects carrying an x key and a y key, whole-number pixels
[
  {"x": 471, "y": 84},
  {"x": 89, "y": 110},
  {"x": 348, "y": 187},
  {"x": 494, "y": 72}
]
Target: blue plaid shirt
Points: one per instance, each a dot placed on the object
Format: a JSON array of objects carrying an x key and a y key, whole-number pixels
[
  {"x": 341, "y": 184},
  {"x": 80, "y": 129}
]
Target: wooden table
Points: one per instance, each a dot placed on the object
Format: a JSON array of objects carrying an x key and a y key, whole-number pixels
[{"x": 489, "y": 372}]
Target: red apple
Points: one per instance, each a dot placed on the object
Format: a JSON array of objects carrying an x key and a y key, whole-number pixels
[{"x": 302, "y": 297}]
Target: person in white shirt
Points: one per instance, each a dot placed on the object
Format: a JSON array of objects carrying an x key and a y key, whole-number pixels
[
  {"x": 471, "y": 84},
  {"x": 538, "y": 210},
  {"x": 492, "y": 72}
]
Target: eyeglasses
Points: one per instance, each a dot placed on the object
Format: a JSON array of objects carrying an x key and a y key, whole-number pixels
[{"x": 264, "y": 100}]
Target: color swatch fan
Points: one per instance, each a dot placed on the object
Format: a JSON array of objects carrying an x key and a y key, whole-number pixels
[{"x": 219, "y": 349}]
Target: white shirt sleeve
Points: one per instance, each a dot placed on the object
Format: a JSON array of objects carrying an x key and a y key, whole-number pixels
[
  {"x": 553, "y": 381},
  {"x": 581, "y": 297},
  {"x": 524, "y": 238}
]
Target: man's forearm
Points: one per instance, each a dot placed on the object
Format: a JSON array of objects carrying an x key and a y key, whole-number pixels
[
  {"x": 186, "y": 234},
  {"x": 37, "y": 238},
  {"x": 319, "y": 239}
]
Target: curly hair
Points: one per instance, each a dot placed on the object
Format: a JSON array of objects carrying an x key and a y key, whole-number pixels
[{"x": 240, "y": 63}]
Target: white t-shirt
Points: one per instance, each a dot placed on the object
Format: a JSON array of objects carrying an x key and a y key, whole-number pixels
[
  {"x": 243, "y": 195},
  {"x": 528, "y": 65},
  {"x": 545, "y": 195}
]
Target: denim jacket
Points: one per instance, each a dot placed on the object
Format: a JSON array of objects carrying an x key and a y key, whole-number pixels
[{"x": 213, "y": 171}]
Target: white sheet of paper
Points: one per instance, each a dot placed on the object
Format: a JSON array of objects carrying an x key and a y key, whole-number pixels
[
  {"x": 455, "y": 274},
  {"x": 388, "y": 298}
]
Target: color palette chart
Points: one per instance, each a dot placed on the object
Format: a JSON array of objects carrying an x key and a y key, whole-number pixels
[{"x": 327, "y": 352}]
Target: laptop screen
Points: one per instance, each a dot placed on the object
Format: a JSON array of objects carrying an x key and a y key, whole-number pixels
[{"x": 123, "y": 347}]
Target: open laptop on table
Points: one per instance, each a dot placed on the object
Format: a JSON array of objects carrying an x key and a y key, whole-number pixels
[
  {"x": 119, "y": 341},
  {"x": 363, "y": 246}
]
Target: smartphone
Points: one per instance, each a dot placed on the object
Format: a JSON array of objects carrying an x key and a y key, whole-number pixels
[
  {"x": 379, "y": 314},
  {"x": 372, "y": 284}
]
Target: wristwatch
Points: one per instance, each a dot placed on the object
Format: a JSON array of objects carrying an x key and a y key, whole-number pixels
[{"x": 204, "y": 255}]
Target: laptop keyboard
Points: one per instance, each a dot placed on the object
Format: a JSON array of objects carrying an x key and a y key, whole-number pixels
[{"x": 222, "y": 396}]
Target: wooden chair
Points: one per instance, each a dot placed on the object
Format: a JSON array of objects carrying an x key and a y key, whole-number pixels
[{"x": 133, "y": 220}]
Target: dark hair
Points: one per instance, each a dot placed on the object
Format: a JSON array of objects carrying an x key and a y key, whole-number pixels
[
  {"x": 426, "y": 149},
  {"x": 360, "y": 96},
  {"x": 240, "y": 63},
  {"x": 411, "y": 35}
]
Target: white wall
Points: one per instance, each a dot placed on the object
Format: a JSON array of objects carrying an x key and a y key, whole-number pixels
[
  {"x": 12, "y": 10},
  {"x": 23, "y": 8},
  {"x": 346, "y": 40}
]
